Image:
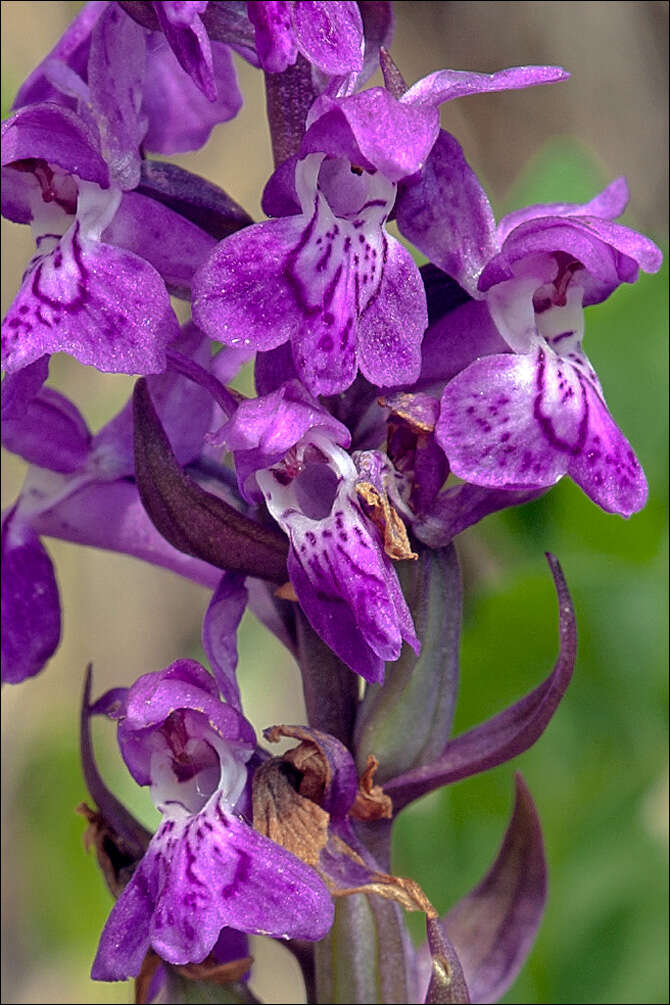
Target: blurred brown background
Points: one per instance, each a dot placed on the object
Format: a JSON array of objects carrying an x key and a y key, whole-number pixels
[{"x": 130, "y": 618}]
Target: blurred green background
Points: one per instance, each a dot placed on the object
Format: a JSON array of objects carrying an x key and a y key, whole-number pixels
[{"x": 599, "y": 774}]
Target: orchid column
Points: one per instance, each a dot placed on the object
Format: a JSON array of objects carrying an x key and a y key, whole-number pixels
[{"x": 395, "y": 406}]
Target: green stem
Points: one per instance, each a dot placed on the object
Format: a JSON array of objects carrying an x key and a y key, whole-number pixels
[{"x": 363, "y": 958}]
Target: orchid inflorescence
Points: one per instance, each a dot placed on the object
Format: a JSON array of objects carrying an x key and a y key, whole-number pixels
[{"x": 396, "y": 406}]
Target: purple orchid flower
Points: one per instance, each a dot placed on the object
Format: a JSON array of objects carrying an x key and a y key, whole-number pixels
[
  {"x": 106, "y": 306},
  {"x": 530, "y": 409},
  {"x": 329, "y": 279},
  {"x": 71, "y": 164},
  {"x": 273, "y": 35},
  {"x": 289, "y": 452},
  {"x": 204, "y": 868},
  {"x": 98, "y": 286},
  {"x": 182, "y": 85}
]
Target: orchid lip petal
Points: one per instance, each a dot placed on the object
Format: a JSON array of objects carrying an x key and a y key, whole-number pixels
[
  {"x": 329, "y": 281},
  {"x": 336, "y": 559},
  {"x": 606, "y": 468},
  {"x": 246, "y": 273},
  {"x": 336, "y": 272},
  {"x": 521, "y": 422},
  {"x": 216, "y": 864},
  {"x": 106, "y": 306}
]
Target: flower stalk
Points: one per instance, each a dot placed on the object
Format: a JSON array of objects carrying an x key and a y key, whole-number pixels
[{"x": 395, "y": 407}]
